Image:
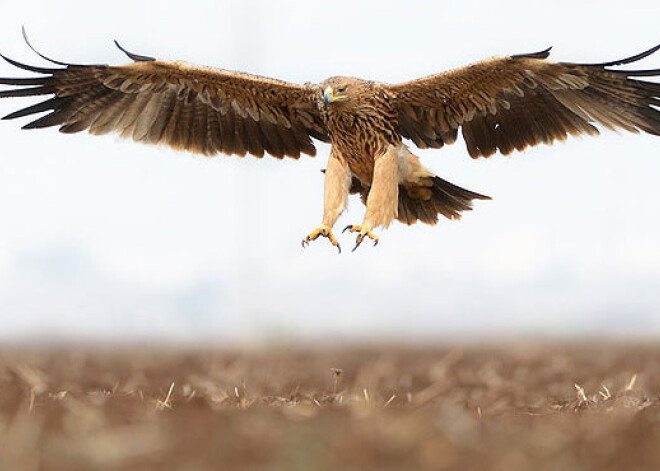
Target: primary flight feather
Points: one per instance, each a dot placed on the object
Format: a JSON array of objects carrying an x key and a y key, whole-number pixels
[{"x": 500, "y": 104}]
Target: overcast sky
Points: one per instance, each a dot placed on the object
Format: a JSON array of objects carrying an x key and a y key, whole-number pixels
[{"x": 104, "y": 238}]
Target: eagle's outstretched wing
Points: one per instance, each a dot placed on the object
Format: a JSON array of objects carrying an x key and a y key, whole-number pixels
[
  {"x": 197, "y": 109},
  {"x": 518, "y": 101}
]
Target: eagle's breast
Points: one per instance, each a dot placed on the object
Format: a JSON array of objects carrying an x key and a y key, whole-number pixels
[{"x": 363, "y": 127}]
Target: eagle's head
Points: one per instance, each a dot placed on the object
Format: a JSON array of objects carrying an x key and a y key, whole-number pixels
[{"x": 342, "y": 90}]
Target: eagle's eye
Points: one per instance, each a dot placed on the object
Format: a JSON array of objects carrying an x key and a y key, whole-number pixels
[{"x": 342, "y": 89}]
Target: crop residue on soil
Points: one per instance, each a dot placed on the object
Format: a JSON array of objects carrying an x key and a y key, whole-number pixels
[{"x": 514, "y": 407}]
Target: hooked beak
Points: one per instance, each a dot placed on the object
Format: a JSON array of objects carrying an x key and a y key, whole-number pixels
[{"x": 328, "y": 96}]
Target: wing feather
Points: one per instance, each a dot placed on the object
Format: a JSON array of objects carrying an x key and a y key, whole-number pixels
[
  {"x": 510, "y": 103},
  {"x": 108, "y": 117},
  {"x": 273, "y": 141},
  {"x": 148, "y": 117},
  {"x": 198, "y": 109}
]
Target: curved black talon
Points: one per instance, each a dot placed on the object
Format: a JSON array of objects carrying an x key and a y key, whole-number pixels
[
  {"x": 358, "y": 241},
  {"x": 325, "y": 232},
  {"x": 350, "y": 226}
]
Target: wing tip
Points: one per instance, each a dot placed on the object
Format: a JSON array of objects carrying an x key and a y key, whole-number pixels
[
  {"x": 627, "y": 60},
  {"x": 53, "y": 61},
  {"x": 132, "y": 56},
  {"x": 39, "y": 70},
  {"x": 544, "y": 54}
]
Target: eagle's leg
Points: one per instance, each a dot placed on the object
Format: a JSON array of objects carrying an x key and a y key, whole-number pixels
[
  {"x": 383, "y": 199},
  {"x": 335, "y": 195}
]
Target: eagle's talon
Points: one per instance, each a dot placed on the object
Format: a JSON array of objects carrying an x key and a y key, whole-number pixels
[
  {"x": 350, "y": 226},
  {"x": 358, "y": 241},
  {"x": 363, "y": 232},
  {"x": 322, "y": 231}
]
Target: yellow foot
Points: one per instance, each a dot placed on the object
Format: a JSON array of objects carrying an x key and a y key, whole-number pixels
[
  {"x": 321, "y": 231},
  {"x": 364, "y": 231}
]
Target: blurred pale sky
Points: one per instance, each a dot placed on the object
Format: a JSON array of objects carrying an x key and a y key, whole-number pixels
[{"x": 106, "y": 239}]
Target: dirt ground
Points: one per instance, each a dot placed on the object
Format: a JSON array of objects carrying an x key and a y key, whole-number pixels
[{"x": 510, "y": 407}]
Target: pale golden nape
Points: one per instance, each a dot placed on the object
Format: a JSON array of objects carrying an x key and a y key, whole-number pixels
[{"x": 500, "y": 104}]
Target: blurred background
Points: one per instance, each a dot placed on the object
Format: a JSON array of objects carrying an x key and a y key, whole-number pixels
[{"x": 106, "y": 240}]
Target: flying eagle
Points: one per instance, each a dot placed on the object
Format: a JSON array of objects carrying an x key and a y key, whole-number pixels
[{"x": 500, "y": 104}]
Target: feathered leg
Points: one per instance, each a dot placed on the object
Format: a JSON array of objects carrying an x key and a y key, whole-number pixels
[
  {"x": 335, "y": 195},
  {"x": 383, "y": 199}
]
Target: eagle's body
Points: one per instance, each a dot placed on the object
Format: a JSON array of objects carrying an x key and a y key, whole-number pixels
[
  {"x": 500, "y": 104},
  {"x": 362, "y": 128}
]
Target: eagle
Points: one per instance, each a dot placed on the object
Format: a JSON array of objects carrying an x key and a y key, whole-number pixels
[{"x": 500, "y": 104}]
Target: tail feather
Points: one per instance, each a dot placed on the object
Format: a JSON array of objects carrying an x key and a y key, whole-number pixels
[
  {"x": 442, "y": 197},
  {"x": 446, "y": 199}
]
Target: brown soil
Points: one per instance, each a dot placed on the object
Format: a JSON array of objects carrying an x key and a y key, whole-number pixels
[{"x": 513, "y": 407}]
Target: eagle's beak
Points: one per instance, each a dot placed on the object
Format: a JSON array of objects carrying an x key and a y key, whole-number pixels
[{"x": 328, "y": 96}]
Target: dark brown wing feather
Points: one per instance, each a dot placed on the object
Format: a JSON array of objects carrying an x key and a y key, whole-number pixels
[
  {"x": 197, "y": 109},
  {"x": 518, "y": 101}
]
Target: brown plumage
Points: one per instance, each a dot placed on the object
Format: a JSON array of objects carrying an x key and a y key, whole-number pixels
[
  {"x": 190, "y": 108},
  {"x": 500, "y": 104}
]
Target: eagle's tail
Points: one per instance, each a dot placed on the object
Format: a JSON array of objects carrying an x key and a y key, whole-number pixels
[{"x": 425, "y": 203}]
